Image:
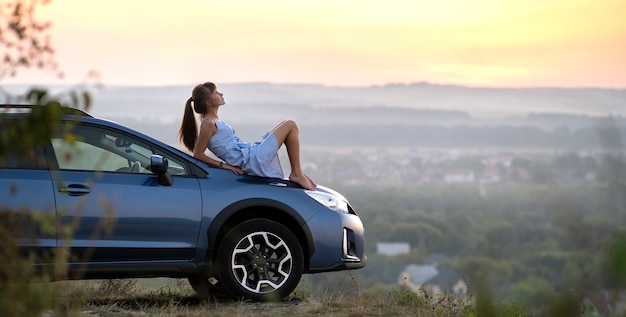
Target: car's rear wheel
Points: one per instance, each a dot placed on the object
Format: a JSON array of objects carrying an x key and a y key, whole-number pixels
[{"x": 260, "y": 260}]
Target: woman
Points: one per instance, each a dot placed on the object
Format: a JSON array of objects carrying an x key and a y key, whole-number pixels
[{"x": 260, "y": 158}]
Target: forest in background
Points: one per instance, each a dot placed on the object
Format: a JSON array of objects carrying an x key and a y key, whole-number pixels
[
  {"x": 532, "y": 237},
  {"x": 531, "y": 243}
]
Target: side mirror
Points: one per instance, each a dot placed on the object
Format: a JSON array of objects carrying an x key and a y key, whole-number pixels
[{"x": 159, "y": 165}]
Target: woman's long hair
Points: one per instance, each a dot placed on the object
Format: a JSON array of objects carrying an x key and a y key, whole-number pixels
[{"x": 188, "y": 132}]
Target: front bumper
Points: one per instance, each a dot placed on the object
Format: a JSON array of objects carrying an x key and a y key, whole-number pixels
[{"x": 339, "y": 242}]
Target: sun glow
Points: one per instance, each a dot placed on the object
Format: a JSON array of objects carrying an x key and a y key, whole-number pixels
[{"x": 346, "y": 43}]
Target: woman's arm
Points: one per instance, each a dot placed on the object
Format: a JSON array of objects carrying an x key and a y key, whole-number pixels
[{"x": 207, "y": 130}]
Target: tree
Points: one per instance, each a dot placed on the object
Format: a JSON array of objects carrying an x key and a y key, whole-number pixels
[
  {"x": 24, "y": 39},
  {"x": 25, "y": 43}
]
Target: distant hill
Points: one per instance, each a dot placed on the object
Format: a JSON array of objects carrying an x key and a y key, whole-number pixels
[
  {"x": 397, "y": 115},
  {"x": 263, "y": 101}
]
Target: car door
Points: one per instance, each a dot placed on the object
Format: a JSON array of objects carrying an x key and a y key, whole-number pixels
[
  {"x": 112, "y": 204},
  {"x": 27, "y": 209}
]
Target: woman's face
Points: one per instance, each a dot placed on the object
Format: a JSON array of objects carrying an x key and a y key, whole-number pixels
[{"x": 216, "y": 98}]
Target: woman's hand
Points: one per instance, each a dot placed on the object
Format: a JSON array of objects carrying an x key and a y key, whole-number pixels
[{"x": 235, "y": 169}]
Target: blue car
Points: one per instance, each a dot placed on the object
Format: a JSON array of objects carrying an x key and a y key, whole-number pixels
[{"x": 138, "y": 207}]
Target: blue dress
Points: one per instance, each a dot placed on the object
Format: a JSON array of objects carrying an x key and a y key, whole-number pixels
[{"x": 259, "y": 158}]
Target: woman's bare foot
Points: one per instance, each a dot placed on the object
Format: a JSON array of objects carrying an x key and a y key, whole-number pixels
[
  {"x": 310, "y": 180},
  {"x": 303, "y": 181}
]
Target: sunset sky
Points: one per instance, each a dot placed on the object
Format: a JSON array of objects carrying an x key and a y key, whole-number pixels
[{"x": 495, "y": 43}]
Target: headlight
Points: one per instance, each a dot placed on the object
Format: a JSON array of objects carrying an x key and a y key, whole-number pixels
[{"x": 329, "y": 201}]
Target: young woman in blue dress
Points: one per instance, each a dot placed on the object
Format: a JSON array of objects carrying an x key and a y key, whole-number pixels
[{"x": 259, "y": 158}]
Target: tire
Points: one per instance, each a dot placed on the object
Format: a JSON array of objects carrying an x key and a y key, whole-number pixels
[{"x": 260, "y": 260}]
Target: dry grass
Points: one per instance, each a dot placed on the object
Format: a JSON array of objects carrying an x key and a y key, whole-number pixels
[{"x": 175, "y": 298}]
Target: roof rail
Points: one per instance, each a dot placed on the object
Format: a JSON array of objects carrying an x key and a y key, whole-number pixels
[{"x": 64, "y": 110}]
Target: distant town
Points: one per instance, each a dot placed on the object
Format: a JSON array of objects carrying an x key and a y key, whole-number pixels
[{"x": 449, "y": 166}]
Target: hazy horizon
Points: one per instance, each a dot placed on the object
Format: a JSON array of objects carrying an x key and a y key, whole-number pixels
[{"x": 286, "y": 100}]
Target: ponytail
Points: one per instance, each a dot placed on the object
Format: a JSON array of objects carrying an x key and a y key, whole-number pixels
[
  {"x": 188, "y": 128},
  {"x": 188, "y": 132}
]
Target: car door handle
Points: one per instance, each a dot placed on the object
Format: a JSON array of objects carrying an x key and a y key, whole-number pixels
[{"x": 75, "y": 189}]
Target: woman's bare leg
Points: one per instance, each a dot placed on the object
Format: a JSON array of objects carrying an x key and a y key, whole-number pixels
[{"x": 288, "y": 133}]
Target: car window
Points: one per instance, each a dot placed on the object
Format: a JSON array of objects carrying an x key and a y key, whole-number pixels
[
  {"x": 79, "y": 155},
  {"x": 97, "y": 149},
  {"x": 176, "y": 166}
]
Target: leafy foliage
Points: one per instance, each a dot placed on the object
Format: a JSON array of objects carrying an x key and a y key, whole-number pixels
[
  {"x": 24, "y": 38},
  {"x": 26, "y": 44},
  {"x": 528, "y": 244}
]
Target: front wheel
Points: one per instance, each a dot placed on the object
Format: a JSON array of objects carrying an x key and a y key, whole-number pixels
[{"x": 260, "y": 260}]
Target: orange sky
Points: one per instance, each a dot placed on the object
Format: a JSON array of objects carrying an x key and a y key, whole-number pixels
[{"x": 499, "y": 43}]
